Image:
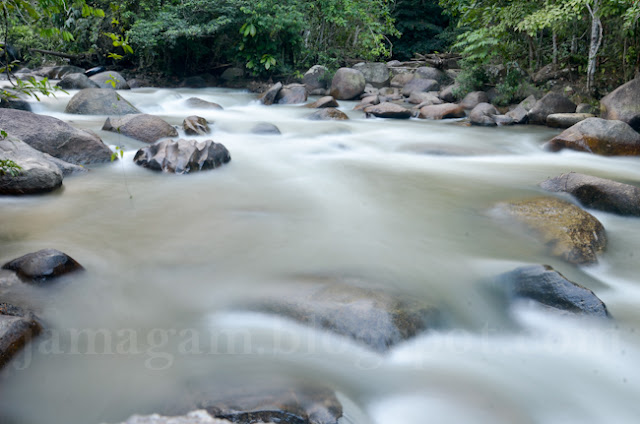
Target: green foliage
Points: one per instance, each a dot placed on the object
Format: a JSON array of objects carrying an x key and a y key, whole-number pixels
[
  {"x": 423, "y": 28},
  {"x": 472, "y": 78},
  {"x": 118, "y": 153},
  {"x": 7, "y": 166}
]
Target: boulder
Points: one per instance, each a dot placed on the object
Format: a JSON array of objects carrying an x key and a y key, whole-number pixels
[
  {"x": 328, "y": 114},
  {"x": 420, "y": 85},
  {"x": 142, "y": 127},
  {"x": 483, "y": 115},
  {"x": 55, "y": 137},
  {"x": 598, "y": 136},
  {"x": 270, "y": 96},
  {"x": 76, "y": 82},
  {"x": 111, "y": 80},
  {"x": 57, "y": 72},
  {"x": 587, "y": 108},
  {"x": 473, "y": 99},
  {"x": 195, "y": 125},
  {"x": 182, "y": 156},
  {"x": 388, "y": 110},
  {"x": 377, "y": 74},
  {"x": 326, "y": 101},
  {"x": 17, "y": 327},
  {"x": 316, "y": 78},
  {"x": 597, "y": 193},
  {"x": 566, "y": 230},
  {"x": 551, "y": 103},
  {"x": 548, "y": 287},
  {"x": 18, "y": 104},
  {"x": 623, "y": 104},
  {"x": 429, "y": 73},
  {"x": 43, "y": 265},
  {"x": 443, "y": 111},
  {"x": 401, "y": 80},
  {"x": 370, "y": 317},
  {"x": 265, "y": 128},
  {"x": 448, "y": 95},
  {"x": 347, "y": 84},
  {"x": 39, "y": 173},
  {"x": 367, "y": 101},
  {"x": 501, "y": 120},
  {"x": 292, "y": 94},
  {"x": 566, "y": 120},
  {"x": 99, "y": 101},
  {"x": 198, "y": 103},
  {"x": 424, "y": 99},
  {"x": 194, "y": 417},
  {"x": 519, "y": 115},
  {"x": 528, "y": 103}
]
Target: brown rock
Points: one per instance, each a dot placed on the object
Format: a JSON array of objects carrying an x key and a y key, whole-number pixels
[
  {"x": 443, "y": 111},
  {"x": 598, "y": 136},
  {"x": 326, "y": 101},
  {"x": 388, "y": 110},
  {"x": 328, "y": 114},
  {"x": 195, "y": 125}
]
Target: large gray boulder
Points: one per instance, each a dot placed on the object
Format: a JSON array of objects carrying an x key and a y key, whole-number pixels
[
  {"x": 569, "y": 232},
  {"x": 519, "y": 115},
  {"x": 623, "y": 104},
  {"x": 111, "y": 80},
  {"x": 76, "y": 82},
  {"x": 597, "y": 193},
  {"x": 473, "y": 99},
  {"x": 17, "y": 327},
  {"x": 43, "y": 265},
  {"x": 373, "y": 318},
  {"x": 292, "y": 94},
  {"x": 427, "y": 72},
  {"x": 39, "y": 173},
  {"x": 316, "y": 78},
  {"x": 143, "y": 127},
  {"x": 375, "y": 73},
  {"x": 548, "y": 287},
  {"x": 549, "y": 104},
  {"x": 483, "y": 115},
  {"x": 182, "y": 156},
  {"x": 598, "y": 136},
  {"x": 419, "y": 85},
  {"x": 55, "y": 137},
  {"x": 347, "y": 84},
  {"x": 99, "y": 101}
]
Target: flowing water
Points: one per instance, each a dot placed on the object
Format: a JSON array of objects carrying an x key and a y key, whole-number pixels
[{"x": 371, "y": 199}]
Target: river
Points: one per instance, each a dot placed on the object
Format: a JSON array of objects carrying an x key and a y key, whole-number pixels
[{"x": 168, "y": 256}]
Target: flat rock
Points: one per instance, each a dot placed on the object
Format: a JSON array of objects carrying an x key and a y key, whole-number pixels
[
  {"x": 328, "y": 114},
  {"x": 142, "y": 127},
  {"x": 623, "y": 104},
  {"x": 195, "y": 125},
  {"x": 99, "y": 101},
  {"x": 17, "y": 327},
  {"x": 598, "y": 136},
  {"x": 182, "y": 156},
  {"x": 371, "y": 317},
  {"x": 568, "y": 232},
  {"x": 55, "y": 137},
  {"x": 110, "y": 80},
  {"x": 443, "y": 111},
  {"x": 544, "y": 285},
  {"x": 198, "y": 103},
  {"x": 326, "y": 101},
  {"x": 388, "y": 110},
  {"x": 43, "y": 265},
  {"x": 566, "y": 120},
  {"x": 597, "y": 193}
]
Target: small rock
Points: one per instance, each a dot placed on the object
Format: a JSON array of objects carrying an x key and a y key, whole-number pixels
[
  {"x": 550, "y": 288},
  {"x": 326, "y": 101},
  {"x": 388, "y": 110},
  {"x": 443, "y": 111},
  {"x": 182, "y": 156},
  {"x": 328, "y": 114},
  {"x": 198, "y": 103},
  {"x": 597, "y": 193},
  {"x": 43, "y": 265},
  {"x": 598, "y": 136},
  {"x": 501, "y": 120},
  {"x": 265, "y": 128},
  {"x": 195, "y": 125},
  {"x": 566, "y": 120},
  {"x": 143, "y": 127},
  {"x": 569, "y": 232},
  {"x": 424, "y": 99}
]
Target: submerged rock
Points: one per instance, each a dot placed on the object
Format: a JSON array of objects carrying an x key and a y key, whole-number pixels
[
  {"x": 265, "y": 128},
  {"x": 142, "y": 127},
  {"x": 550, "y": 288},
  {"x": 569, "y": 232},
  {"x": 17, "y": 327},
  {"x": 195, "y": 125},
  {"x": 198, "y": 103},
  {"x": 597, "y": 193},
  {"x": 182, "y": 156},
  {"x": 371, "y": 317},
  {"x": 99, "y": 101},
  {"x": 328, "y": 114},
  {"x": 43, "y": 265},
  {"x": 598, "y": 136}
]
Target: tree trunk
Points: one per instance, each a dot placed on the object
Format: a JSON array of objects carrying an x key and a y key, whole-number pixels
[
  {"x": 555, "y": 47},
  {"x": 596, "y": 41}
]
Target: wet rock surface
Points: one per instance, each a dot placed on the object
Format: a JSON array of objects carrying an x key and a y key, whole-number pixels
[
  {"x": 265, "y": 128},
  {"x": 544, "y": 285},
  {"x": 182, "y": 156},
  {"x": 326, "y": 101},
  {"x": 388, "y": 110},
  {"x": 566, "y": 120},
  {"x": 142, "y": 127},
  {"x": 292, "y": 94},
  {"x": 77, "y": 82},
  {"x": 17, "y": 327},
  {"x": 566, "y": 230},
  {"x": 443, "y": 111},
  {"x": 269, "y": 97},
  {"x": 195, "y": 125},
  {"x": 99, "y": 101},
  {"x": 598, "y": 136},
  {"x": 43, "y": 265},
  {"x": 198, "y": 103},
  {"x": 110, "y": 80},
  {"x": 38, "y": 173},
  {"x": 328, "y": 114},
  {"x": 597, "y": 193}
]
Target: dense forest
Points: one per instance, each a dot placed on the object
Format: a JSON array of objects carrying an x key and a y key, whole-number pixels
[{"x": 594, "y": 42}]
